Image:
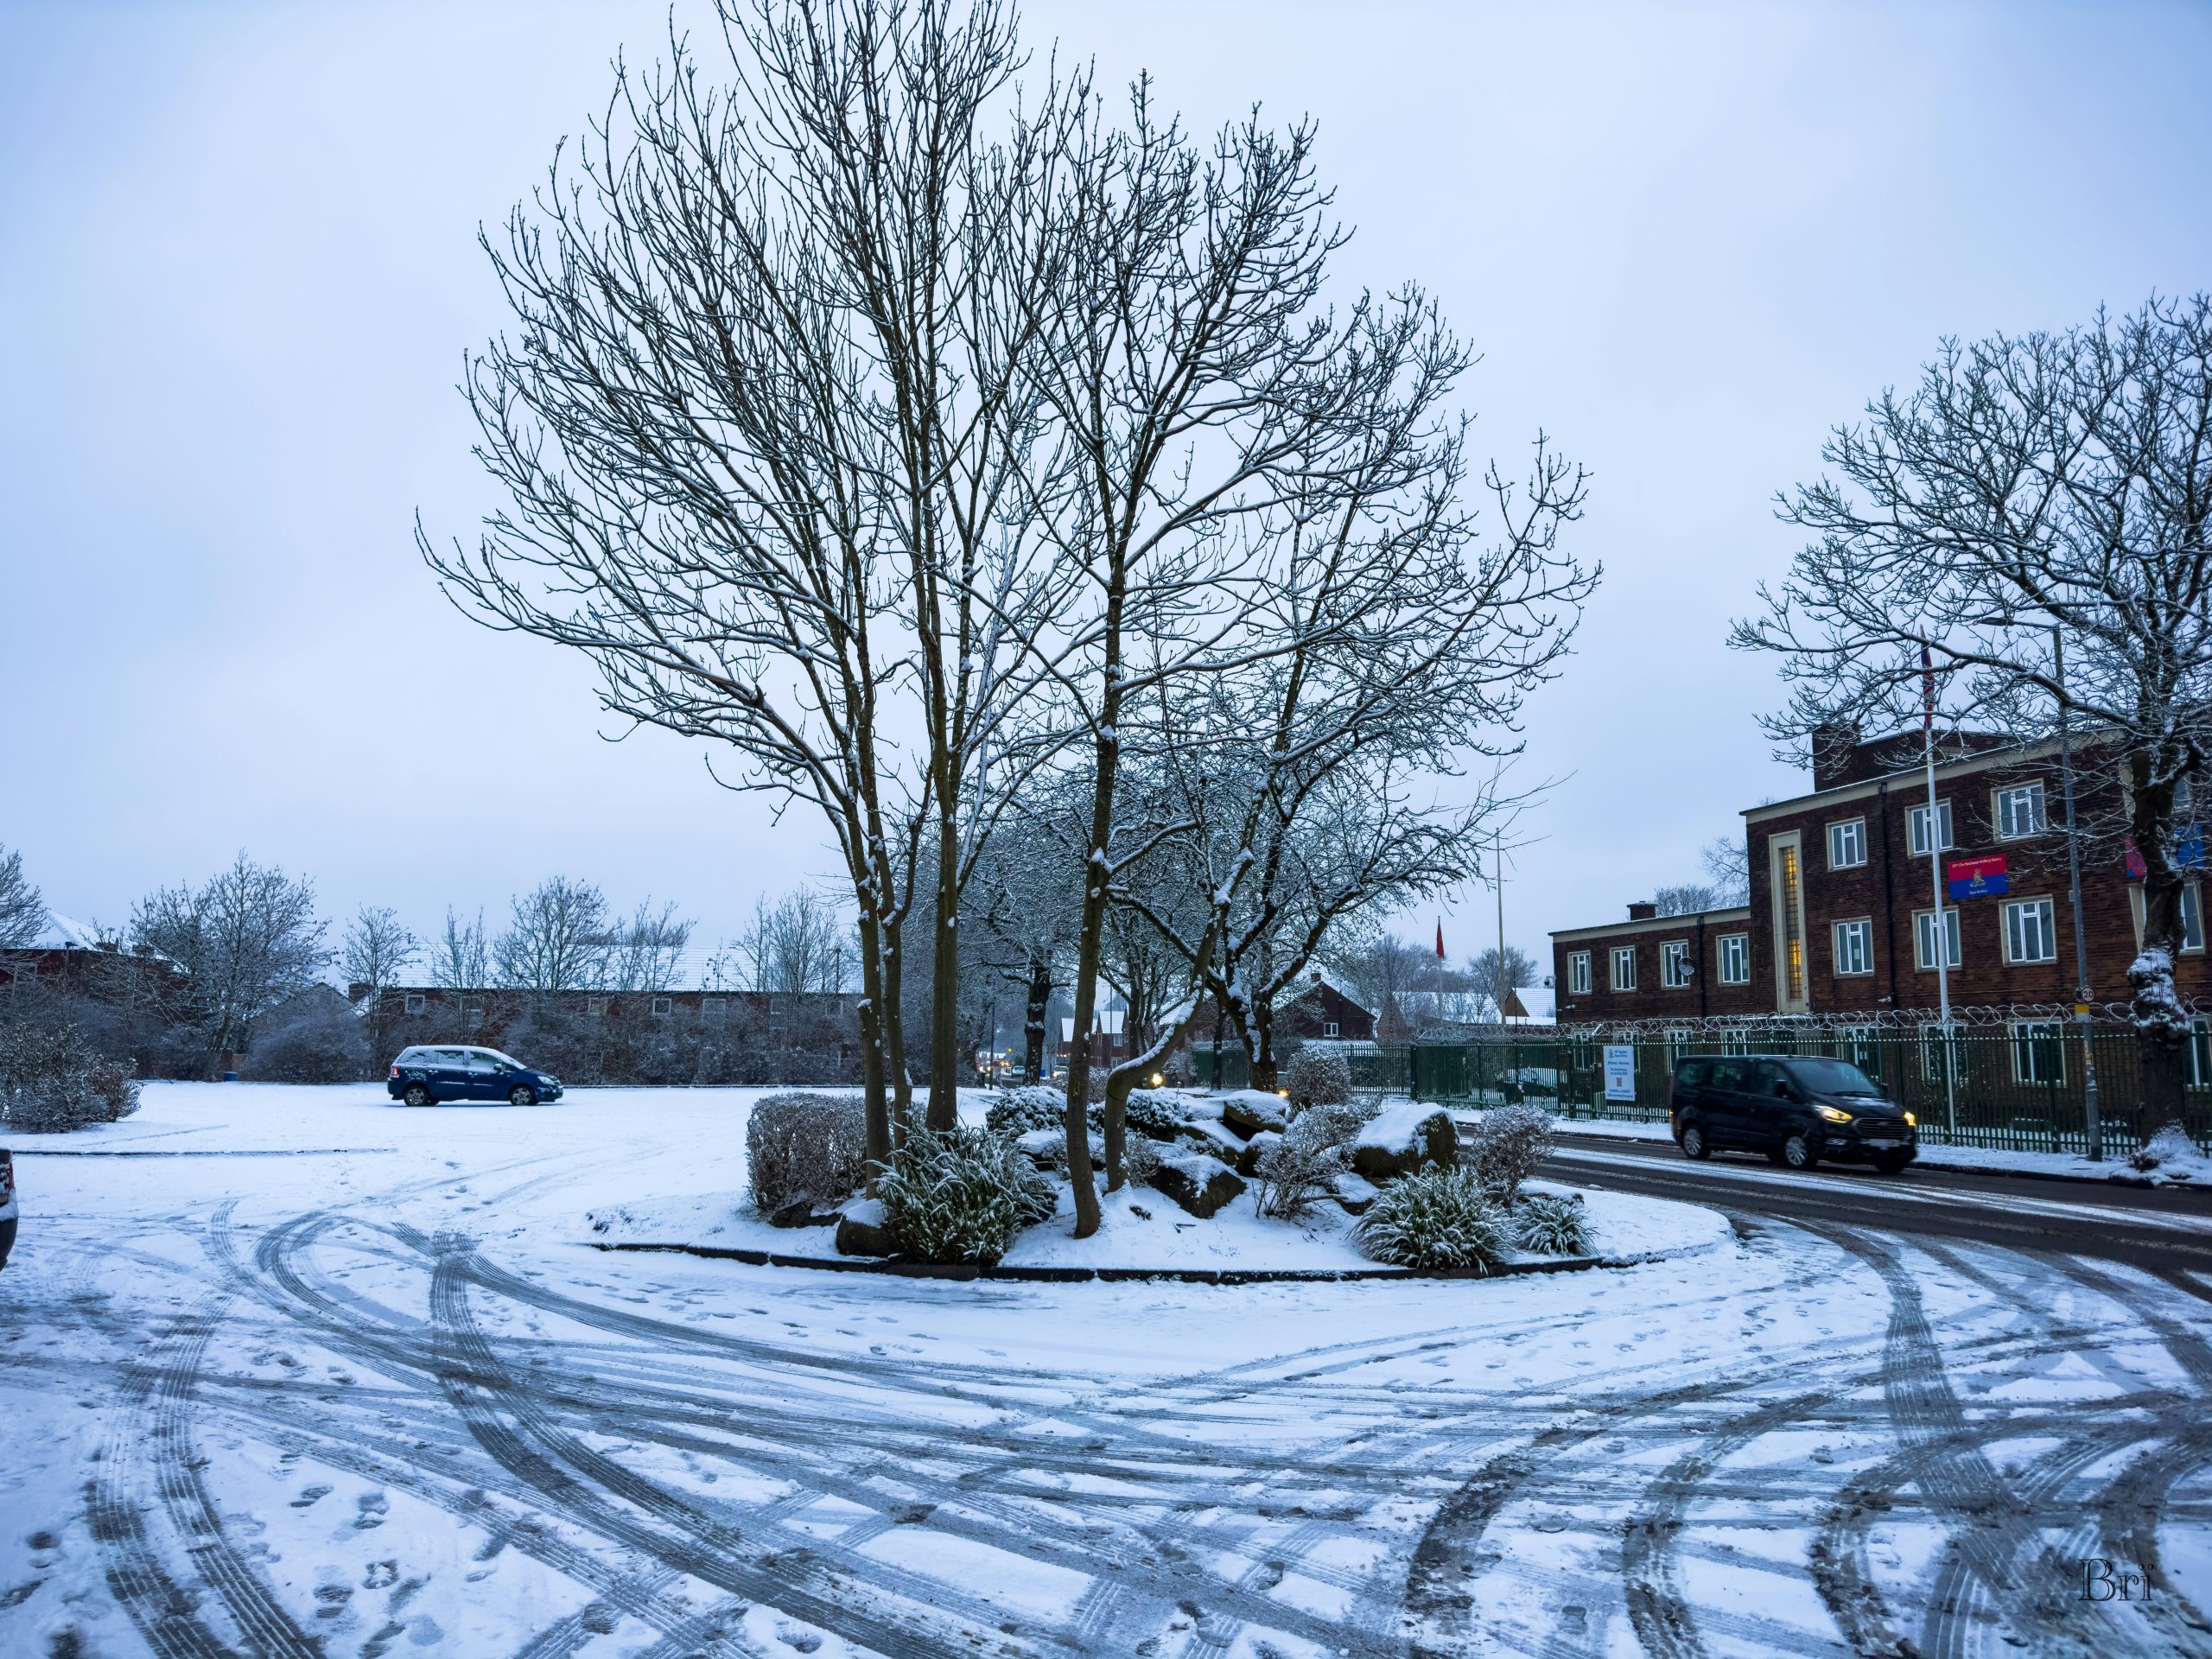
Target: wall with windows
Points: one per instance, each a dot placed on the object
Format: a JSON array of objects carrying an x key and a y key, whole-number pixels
[{"x": 1647, "y": 968}]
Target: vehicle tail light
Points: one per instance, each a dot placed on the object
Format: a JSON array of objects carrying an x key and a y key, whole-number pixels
[{"x": 395, "y": 1068}]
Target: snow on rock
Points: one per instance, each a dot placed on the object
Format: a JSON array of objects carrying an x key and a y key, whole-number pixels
[
  {"x": 1401, "y": 1137},
  {"x": 1199, "y": 1184},
  {"x": 864, "y": 1230},
  {"x": 1249, "y": 1110}
]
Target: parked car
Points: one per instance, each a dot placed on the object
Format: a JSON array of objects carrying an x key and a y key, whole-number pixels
[
  {"x": 426, "y": 1074},
  {"x": 7, "y": 1205},
  {"x": 1797, "y": 1108}
]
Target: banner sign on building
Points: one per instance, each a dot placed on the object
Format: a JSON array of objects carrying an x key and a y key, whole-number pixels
[
  {"x": 1620, "y": 1072},
  {"x": 1977, "y": 878}
]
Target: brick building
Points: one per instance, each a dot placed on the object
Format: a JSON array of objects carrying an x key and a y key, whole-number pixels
[{"x": 1843, "y": 916}]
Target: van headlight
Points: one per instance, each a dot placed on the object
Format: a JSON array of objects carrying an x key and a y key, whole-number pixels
[
  {"x": 1833, "y": 1114},
  {"x": 1912, "y": 1122}
]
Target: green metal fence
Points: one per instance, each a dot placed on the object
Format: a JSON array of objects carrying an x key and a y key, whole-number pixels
[{"x": 2017, "y": 1087}]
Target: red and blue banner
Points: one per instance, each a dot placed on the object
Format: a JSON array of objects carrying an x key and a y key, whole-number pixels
[{"x": 1977, "y": 878}]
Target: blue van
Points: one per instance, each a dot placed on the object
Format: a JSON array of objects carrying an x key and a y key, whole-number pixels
[{"x": 424, "y": 1075}]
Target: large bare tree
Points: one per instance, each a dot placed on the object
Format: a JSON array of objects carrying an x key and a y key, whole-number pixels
[
  {"x": 2032, "y": 491},
  {"x": 243, "y": 941},
  {"x": 763, "y": 425}
]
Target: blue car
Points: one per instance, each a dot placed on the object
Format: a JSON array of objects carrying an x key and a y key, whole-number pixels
[{"x": 423, "y": 1076}]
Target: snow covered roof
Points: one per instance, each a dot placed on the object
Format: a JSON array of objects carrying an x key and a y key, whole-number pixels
[
  {"x": 67, "y": 933},
  {"x": 1107, "y": 1021}
]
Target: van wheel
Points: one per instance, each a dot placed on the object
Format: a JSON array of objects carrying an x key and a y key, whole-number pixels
[
  {"x": 523, "y": 1094},
  {"x": 415, "y": 1095},
  {"x": 1694, "y": 1144},
  {"x": 1797, "y": 1152}
]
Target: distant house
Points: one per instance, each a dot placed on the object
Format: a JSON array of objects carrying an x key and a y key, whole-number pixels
[
  {"x": 75, "y": 955},
  {"x": 1320, "y": 1013},
  {"x": 1110, "y": 1040}
]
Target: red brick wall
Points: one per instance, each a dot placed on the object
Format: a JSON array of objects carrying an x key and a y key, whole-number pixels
[{"x": 1704, "y": 995}]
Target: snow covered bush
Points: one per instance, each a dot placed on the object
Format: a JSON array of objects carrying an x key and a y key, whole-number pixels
[
  {"x": 51, "y": 1080},
  {"x": 1140, "y": 1160},
  {"x": 962, "y": 1195},
  {"x": 1434, "y": 1219},
  {"x": 1032, "y": 1106},
  {"x": 312, "y": 1039},
  {"x": 1299, "y": 1167},
  {"x": 1552, "y": 1224},
  {"x": 1154, "y": 1114},
  {"x": 1317, "y": 1078},
  {"x": 810, "y": 1147},
  {"x": 1508, "y": 1142},
  {"x": 2171, "y": 1152}
]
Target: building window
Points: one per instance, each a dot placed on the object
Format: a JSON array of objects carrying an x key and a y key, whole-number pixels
[
  {"x": 416, "y": 1002},
  {"x": 595, "y": 1005},
  {"x": 1847, "y": 845},
  {"x": 1862, "y": 1049},
  {"x": 1735, "y": 959},
  {"x": 1735, "y": 1041},
  {"x": 1854, "y": 947},
  {"x": 663, "y": 1005},
  {"x": 2196, "y": 1055},
  {"x": 2038, "y": 1052},
  {"x": 2028, "y": 933},
  {"x": 2019, "y": 812},
  {"x": 1918, "y": 819},
  {"x": 1934, "y": 1050},
  {"x": 1678, "y": 1044},
  {"x": 472, "y": 1014},
  {"x": 2192, "y": 917},
  {"x": 1923, "y": 939},
  {"x": 1578, "y": 973},
  {"x": 1624, "y": 968},
  {"x": 713, "y": 1011},
  {"x": 23, "y": 973},
  {"x": 1789, "y": 898},
  {"x": 1674, "y": 964}
]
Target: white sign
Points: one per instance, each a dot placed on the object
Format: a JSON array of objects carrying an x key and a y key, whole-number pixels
[{"x": 1620, "y": 1072}]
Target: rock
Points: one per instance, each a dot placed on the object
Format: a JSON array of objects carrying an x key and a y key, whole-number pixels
[
  {"x": 861, "y": 1231},
  {"x": 1248, "y": 1155},
  {"x": 1250, "y": 1110},
  {"x": 800, "y": 1212},
  {"x": 1355, "y": 1194},
  {"x": 1402, "y": 1137},
  {"x": 1199, "y": 1184}
]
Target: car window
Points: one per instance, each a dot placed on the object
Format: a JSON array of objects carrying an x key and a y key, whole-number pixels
[
  {"x": 1826, "y": 1077},
  {"x": 1692, "y": 1075},
  {"x": 1727, "y": 1074},
  {"x": 1770, "y": 1079},
  {"x": 498, "y": 1058},
  {"x": 408, "y": 1056},
  {"x": 453, "y": 1056}
]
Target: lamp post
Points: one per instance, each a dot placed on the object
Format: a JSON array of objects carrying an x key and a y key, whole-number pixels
[{"x": 2074, "y": 878}]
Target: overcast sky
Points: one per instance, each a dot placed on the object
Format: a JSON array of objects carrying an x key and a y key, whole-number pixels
[{"x": 238, "y": 274}]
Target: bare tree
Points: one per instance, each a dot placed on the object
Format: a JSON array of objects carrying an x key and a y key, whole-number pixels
[
  {"x": 796, "y": 945},
  {"x": 376, "y": 950},
  {"x": 23, "y": 913},
  {"x": 460, "y": 956},
  {"x": 1497, "y": 977},
  {"x": 1024, "y": 908},
  {"x": 764, "y": 423},
  {"x": 1726, "y": 862},
  {"x": 2032, "y": 492},
  {"x": 557, "y": 938},
  {"x": 1687, "y": 899},
  {"x": 243, "y": 942},
  {"x": 642, "y": 953}
]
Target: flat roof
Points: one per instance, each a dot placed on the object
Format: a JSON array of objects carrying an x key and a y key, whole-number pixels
[{"x": 1656, "y": 923}]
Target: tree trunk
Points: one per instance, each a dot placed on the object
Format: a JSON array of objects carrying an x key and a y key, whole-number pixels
[
  {"x": 2161, "y": 1023},
  {"x": 1032, "y": 1021},
  {"x": 1091, "y": 943},
  {"x": 945, "y": 982},
  {"x": 1263, "y": 1046}
]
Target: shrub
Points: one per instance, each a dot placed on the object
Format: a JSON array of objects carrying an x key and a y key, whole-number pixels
[
  {"x": 1318, "y": 1078},
  {"x": 51, "y": 1080},
  {"x": 1177, "y": 1070},
  {"x": 1032, "y": 1106},
  {"x": 810, "y": 1147},
  {"x": 1141, "y": 1160},
  {"x": 1508, "y": 1142},
  {"x": 1434, "y": 1219},
  {"x": 1156, "y": 1114},
  {"x": 1333, "y": 1123},
  {"x": 1552, "y": 1224},
  {"x": 314, "y": 1040},
  {"x": 1293, "y": 1175},
  {"x": 961, "y": 1195}
]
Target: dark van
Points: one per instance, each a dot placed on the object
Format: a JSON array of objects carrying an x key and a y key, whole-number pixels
[{"x": 1795, "y": 1108}]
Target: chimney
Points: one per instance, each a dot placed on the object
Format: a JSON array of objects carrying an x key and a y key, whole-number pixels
[
  {"x": 1643, "y": 910},
  {"x": 1835, "y": 746}
]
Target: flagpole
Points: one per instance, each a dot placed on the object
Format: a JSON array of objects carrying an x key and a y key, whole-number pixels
[{"x": 1939, "y": 946}]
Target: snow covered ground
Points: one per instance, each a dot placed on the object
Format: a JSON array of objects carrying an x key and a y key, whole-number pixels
[{"x": 295, "y": 1372}]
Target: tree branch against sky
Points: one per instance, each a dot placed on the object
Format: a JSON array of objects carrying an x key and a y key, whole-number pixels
[{"x": 2026, "y": 484}]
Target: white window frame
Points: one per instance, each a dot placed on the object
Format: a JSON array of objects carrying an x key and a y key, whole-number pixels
[
  {"x": 1620, "y": 954},
  {"x": 1860, "y": 1046},
  {"x": 1675, "y": 972},
  {"x": 1923, "y": 936},
  {"x": 2016, "y": 908},
  {"x": 414, "y": 1003},
  {"x": 1860, "y": 929},
  {"x": 1932, "y": 1045},
  {"x": 663, "y": 1006},
  {"x": 1847, "y": 845},
  {"x": 1329, "y": 1028},
  {"x": 2192, "y": 919},
  {"x": 2196, "y": 1056},
  {"x": 2008, "y": 827},
  {"x": 1578, "y": 973},
  {"x": 1678, "y": 1045},
  {"x": 713, "y": 1011},
  {"x": 1734, "y": 1042},
  {"x": 1737, "y": 946},
  {"x": 595, "y": 1005},
  {"x": 1917, "y": 829},
  {"x": 2028, "y": 1038}
]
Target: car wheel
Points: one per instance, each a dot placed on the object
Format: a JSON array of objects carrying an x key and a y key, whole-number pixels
[
  {"x": 523, "y": 1094},
  {"x": 417, "y": 1095},
  {"x": 1797, "y": 1152},
  {"x": 1891, "y": 1164},
  {"x": 1693, "y": 1142}
]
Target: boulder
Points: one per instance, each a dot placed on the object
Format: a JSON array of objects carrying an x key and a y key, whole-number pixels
[
  {"x": 1401, "y": 1138},
  {"x": 1355, "y": 1194},
  {"x": 800, "y": 1212},
  {"x": 1250, "y": 1110},
  {"x": 1199, "y": 1184},
  {"x": 861, "y": 1231},
  {"x": 1248, "y": 1155}
]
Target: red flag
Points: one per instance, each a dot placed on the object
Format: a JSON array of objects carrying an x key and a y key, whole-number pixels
[
  {"x": 1927, "y": 689},
  {"x": 1439, "y": 938}
]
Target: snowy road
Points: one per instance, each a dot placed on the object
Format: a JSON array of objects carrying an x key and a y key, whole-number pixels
[{"x": 342, "y": 1387}]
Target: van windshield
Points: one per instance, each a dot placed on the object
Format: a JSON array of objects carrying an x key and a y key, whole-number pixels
[{"x": 1833, "y": 1077}]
